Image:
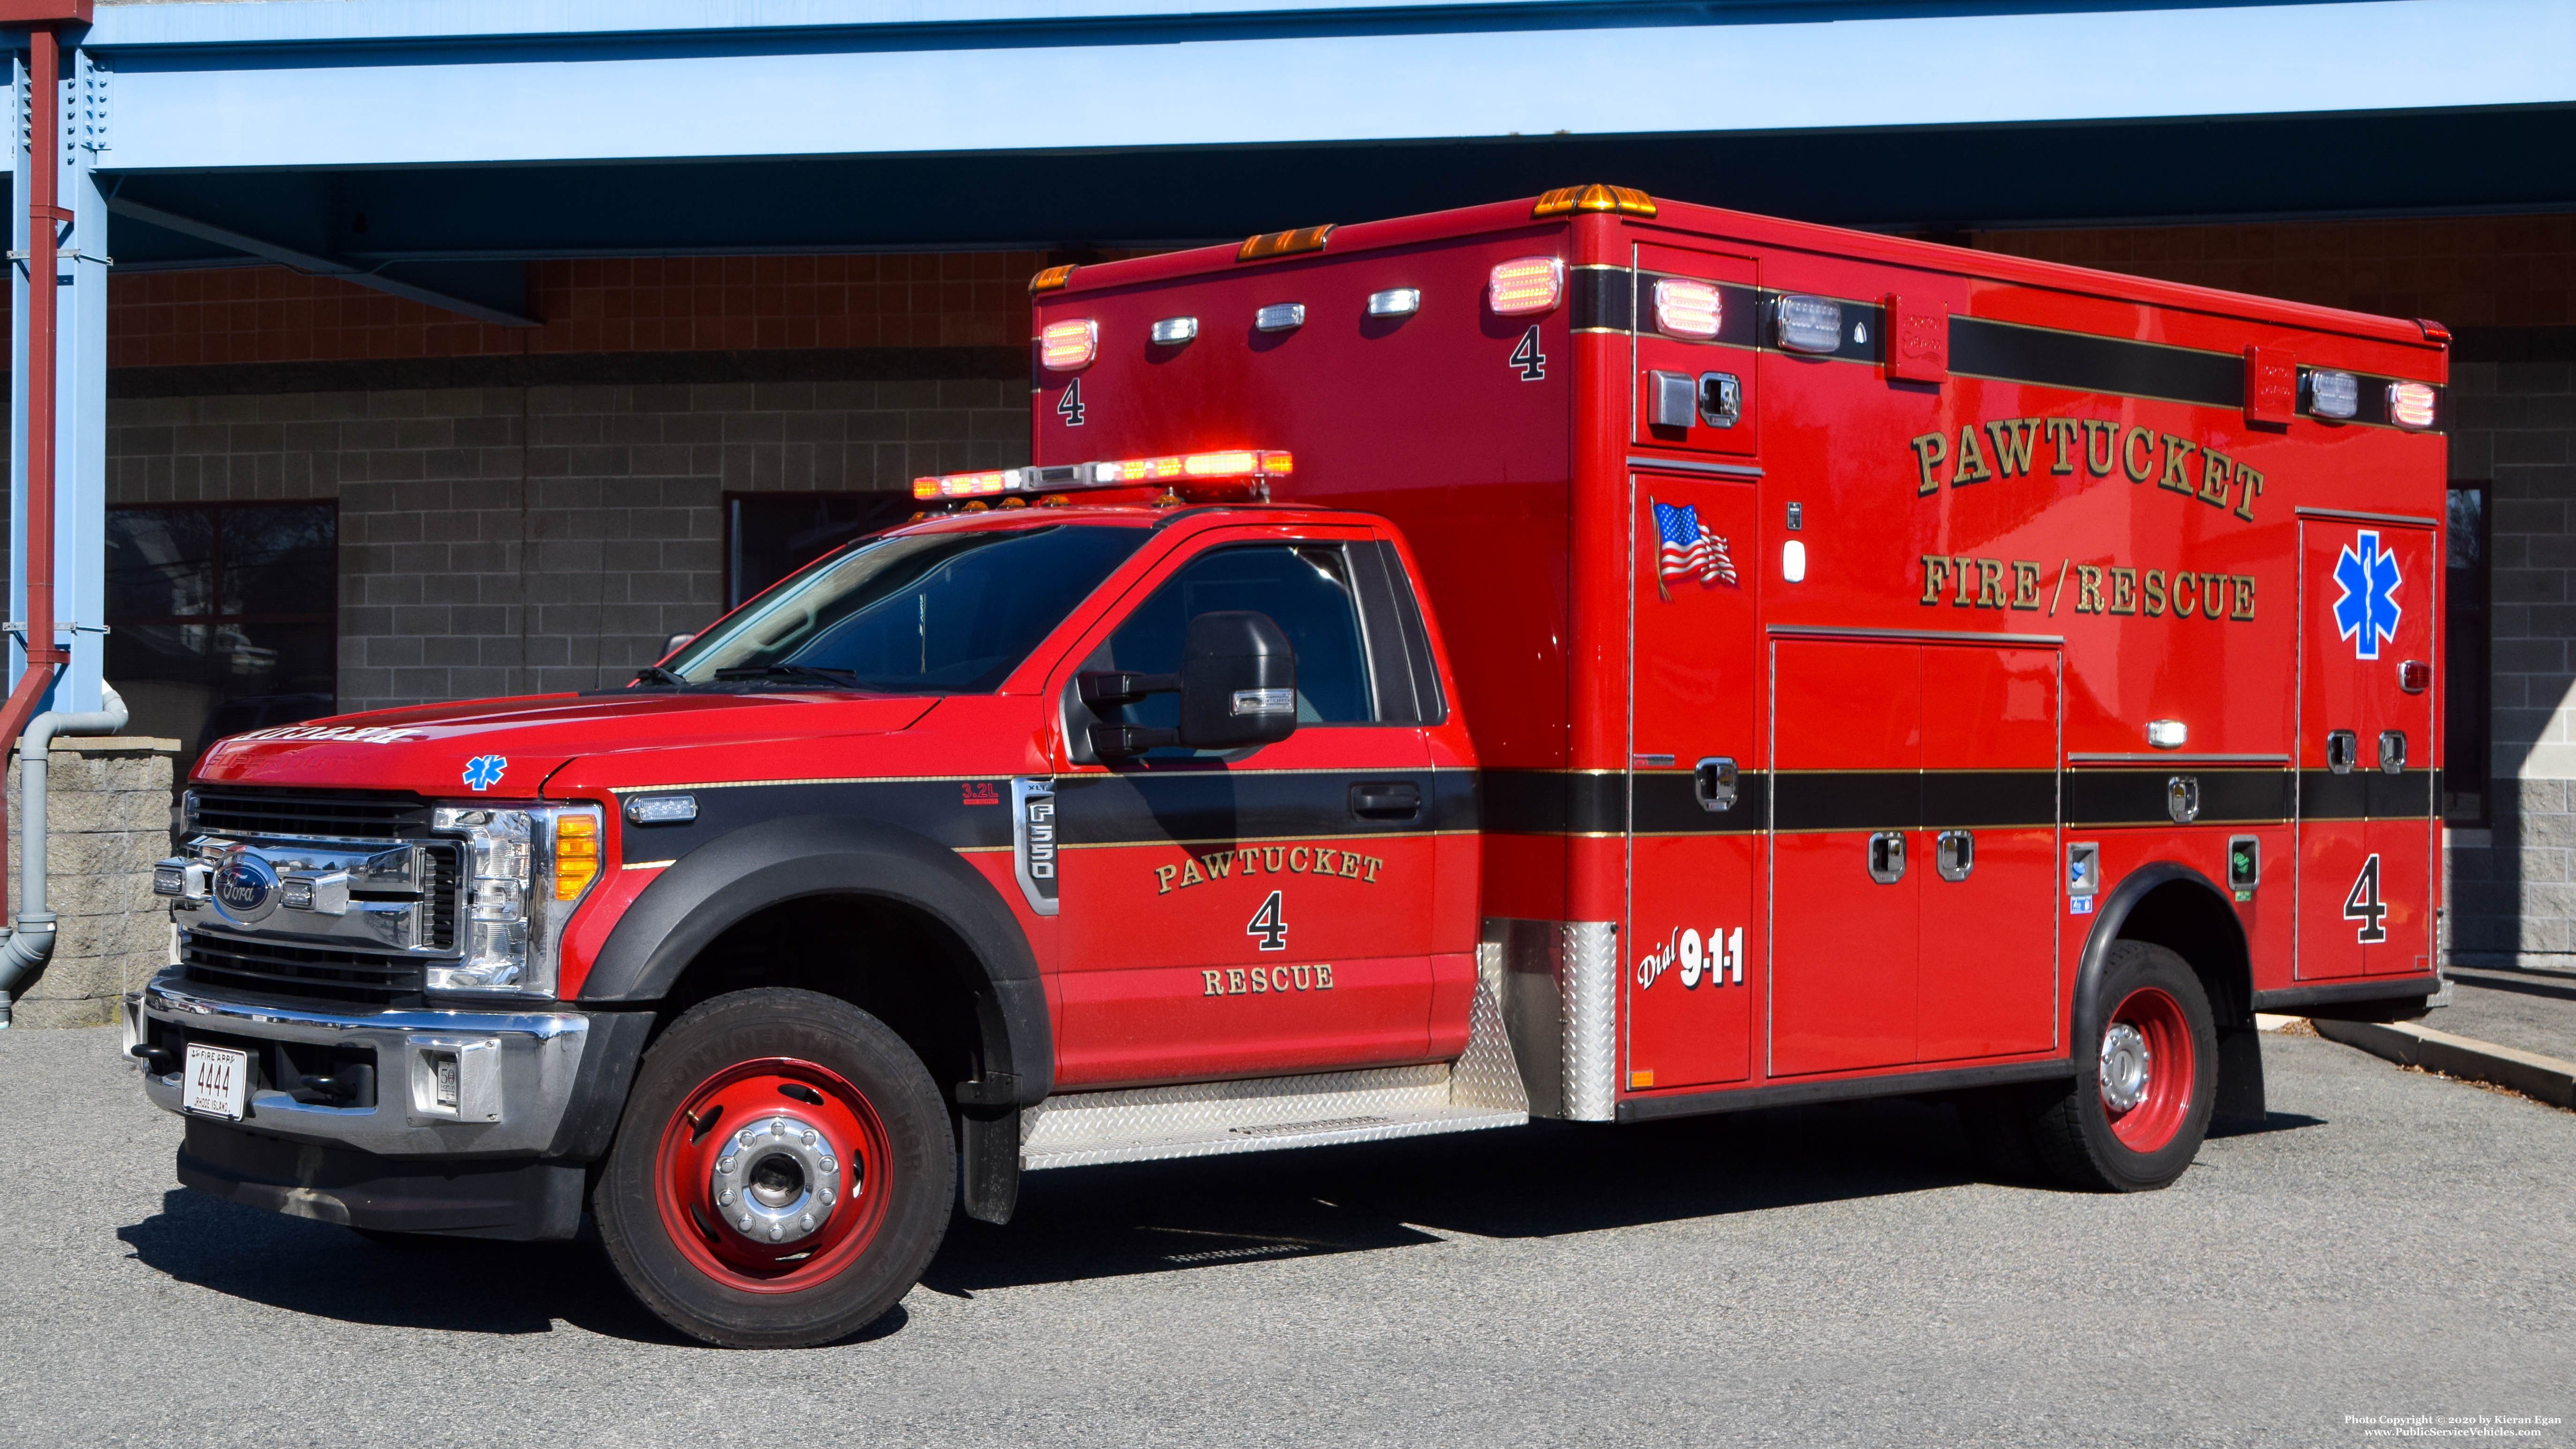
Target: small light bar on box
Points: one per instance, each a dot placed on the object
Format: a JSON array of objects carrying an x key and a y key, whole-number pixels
[
  {"x": 1809, "y": 324},
  {"x": 2333, "y": 394},
  {"x": 1222, "y": 464},
  {"x": 2411, "y": 405},
  {"x": 1064, "y": 346},
  {"x": 1685, "y": 308},
  {"x": 1052, "y": 279},
  {"x": 1283, "y": 243},
  {"x": 1395, "y": 302},
  {"x": 1173, "y": 330},
  {"x": 1525, "y": 285}
]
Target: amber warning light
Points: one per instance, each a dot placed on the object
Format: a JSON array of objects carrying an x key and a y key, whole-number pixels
[{"x": 1223, "y": 465}]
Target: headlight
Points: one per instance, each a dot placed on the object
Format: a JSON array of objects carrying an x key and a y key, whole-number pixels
[{"x": 525, "y": 873}]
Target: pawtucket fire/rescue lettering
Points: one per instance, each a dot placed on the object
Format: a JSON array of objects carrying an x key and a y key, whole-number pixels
[
  {"x": 1271, "y": 860},
  {"x": 2099, "y": 589},
  {"x": 2013, "y": 447}
]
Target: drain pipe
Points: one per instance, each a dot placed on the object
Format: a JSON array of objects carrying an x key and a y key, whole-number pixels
[{"x": 31, "y": 945}]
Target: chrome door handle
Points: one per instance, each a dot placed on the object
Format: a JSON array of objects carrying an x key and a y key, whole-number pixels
[{"x": 1887, "y": 856}]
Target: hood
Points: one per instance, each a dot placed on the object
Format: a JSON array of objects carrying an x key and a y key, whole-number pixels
[{"x": 506, "y": 748}]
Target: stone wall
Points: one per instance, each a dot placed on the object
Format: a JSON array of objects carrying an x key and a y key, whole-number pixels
[{"x": 107, "y": 819}]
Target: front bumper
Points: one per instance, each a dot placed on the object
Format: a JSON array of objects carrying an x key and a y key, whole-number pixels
[{"x": 447, "y": 1084}]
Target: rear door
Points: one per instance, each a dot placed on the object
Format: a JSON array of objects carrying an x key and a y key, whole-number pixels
[
  {"x": 1693, "y": 809},
  {"x": 2367, "y": 609}
]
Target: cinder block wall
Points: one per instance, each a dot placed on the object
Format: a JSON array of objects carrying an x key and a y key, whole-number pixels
[
  {"x": 107, "y": 819},
  {"x": 541, "y": 537}
]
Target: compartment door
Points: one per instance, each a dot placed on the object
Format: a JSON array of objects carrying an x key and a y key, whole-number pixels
[
  {"x": 1989, "y": 843},
  {"x": 1847, "y": 759},
  {"x": 2400, "y": 831},
  {"x": 1694, "y": 812}
]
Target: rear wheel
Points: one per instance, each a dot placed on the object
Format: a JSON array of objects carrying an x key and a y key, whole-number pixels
[
  {"x": 782, "y": 1174},
  {"x": 2133, "y": 1118}
]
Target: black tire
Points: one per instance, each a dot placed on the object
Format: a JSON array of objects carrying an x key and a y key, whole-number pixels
[
  {"x": 742, "y": 1062},
  {"x": 2080, "y": 1136}
]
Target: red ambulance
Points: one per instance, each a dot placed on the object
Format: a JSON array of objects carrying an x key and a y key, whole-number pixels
[{"x": 1596, "y": 658}]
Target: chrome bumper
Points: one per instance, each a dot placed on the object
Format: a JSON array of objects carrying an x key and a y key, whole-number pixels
[{"x": 509, "y": 1075}]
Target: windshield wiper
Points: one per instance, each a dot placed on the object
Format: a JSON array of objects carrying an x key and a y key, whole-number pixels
[
  {"x": 839, "y": 678},
  {"x": 656, "y": 674}
]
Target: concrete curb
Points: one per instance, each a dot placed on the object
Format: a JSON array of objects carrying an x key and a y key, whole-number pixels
[{"x": 2547, "y": 1078}]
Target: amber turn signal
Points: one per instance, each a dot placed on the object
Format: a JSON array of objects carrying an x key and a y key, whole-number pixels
[{"x": 576, "y": 854}]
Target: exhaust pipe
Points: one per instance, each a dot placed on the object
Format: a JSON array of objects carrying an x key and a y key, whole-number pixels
[{"x": 31, "y": 945}]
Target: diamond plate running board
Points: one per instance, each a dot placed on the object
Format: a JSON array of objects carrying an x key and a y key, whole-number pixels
[{"x": 1204, "y": 1119}]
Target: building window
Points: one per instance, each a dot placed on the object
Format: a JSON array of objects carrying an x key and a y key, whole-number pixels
[
  {"x": 222, "y": 617},
  {"x": 771, "y": 535},
  {"x": 2466, "y": 716}
]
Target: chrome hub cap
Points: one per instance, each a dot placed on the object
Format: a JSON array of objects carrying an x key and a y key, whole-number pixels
[
  {"x": 777, "y": 1180},
  {"x": 2124, "y": 1067}
]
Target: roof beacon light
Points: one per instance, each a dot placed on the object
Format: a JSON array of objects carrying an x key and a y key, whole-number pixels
[
  {"x": 2333, "y": 394},
  {"x": 1684, "y": 308},
  {"x": 1064, "y": 346},
  {"x": 1173, "y": 330},
  {"x": 1225, "y": 464},
  {"x": 1395, "y": 302},
  {"x": 1052, "y": 279},
  {"x": 1525, "y": 285},
  {"x": 1809, "y": 324},
  {"x": 2411, "y": 405},
  {"x": 1566, "y": 200}
]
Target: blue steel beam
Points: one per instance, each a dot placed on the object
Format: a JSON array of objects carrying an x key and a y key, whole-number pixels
[{"x": 359, "y": 83}]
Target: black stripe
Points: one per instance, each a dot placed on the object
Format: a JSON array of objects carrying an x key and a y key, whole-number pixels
[
  {"x": 2137, "y": 796},
  {"x": 1668, "y": 804},
  {"x": 1220, "y": 805},
  {"x": 1603, "y": 300},
  {"x": 934, "y": 809},
  {"x": 1848, "y": 799},
  {"x": 1967, "y": 799},
  {"x": 1553, "y": 802},
  {"x": 2084, "y": 363},
  {"x": 2366, "y": 794},
  {"x": 2371, "y": 406}
]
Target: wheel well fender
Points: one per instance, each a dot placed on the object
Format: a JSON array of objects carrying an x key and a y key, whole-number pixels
[
  {"x": 757, "y": 867},
  {"x": 2172, "y": 905}
]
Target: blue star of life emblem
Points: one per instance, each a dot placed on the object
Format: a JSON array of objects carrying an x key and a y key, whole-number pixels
[
  {"x": 484, "y": 771},
  {"x": 2367, "y": 613}
]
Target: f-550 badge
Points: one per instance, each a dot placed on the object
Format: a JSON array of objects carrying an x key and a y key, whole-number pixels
[{"x": 1720, "y": 956}]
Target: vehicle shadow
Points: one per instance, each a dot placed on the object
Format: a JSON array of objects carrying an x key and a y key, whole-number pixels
[{"x": 1538, "y": 1181}]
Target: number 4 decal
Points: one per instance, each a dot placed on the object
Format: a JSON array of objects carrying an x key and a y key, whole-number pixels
[
  {"x": 2364, "y": 905},
  {"x": 1269, "y": 925},
  {"x": 1527, "y": 357},
  {"x": 1069, "y": 407}
]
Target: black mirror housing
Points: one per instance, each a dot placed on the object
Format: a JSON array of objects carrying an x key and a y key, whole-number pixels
[{"x": 1238, "y": 681}]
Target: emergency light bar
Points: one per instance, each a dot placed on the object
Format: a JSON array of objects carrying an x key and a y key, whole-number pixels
[{"x": 1224, "y": 464}]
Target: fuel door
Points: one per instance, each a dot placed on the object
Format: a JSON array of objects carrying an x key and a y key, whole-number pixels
[{"x": 1695, "y": 318}]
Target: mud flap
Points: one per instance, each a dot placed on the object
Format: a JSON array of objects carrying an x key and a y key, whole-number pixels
[{"x": 988, "y": 1141}]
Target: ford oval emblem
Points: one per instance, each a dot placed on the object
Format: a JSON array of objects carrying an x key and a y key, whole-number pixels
[{"x": 246, "y": 887}]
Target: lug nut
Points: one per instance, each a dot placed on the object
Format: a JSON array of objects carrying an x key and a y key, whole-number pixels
[
  {"x": 809, "y": 1139},
  {"x": 827, "y": 1197},
  {"x": 745, "y": 1137},
  {"x": 831, "y": 1164},
  {"x": 724, "y": 1164},
  {"x": 807, "y": 1222},
  {"x": 746, "y": 1222},
  {"x": 776, "y": 1232},
  {"x": 725, "y": 1197}
]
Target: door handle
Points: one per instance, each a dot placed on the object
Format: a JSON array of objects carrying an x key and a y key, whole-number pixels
[
  {"x": 1386, "y": 800},
  {"x": 1887, "y": 856},
  {"x": 1713, "y": 784},
  {"x": 2392, "y": 752},
  {"x": 1954, "y": 854},
  {"x": 2343, "y": 747}
]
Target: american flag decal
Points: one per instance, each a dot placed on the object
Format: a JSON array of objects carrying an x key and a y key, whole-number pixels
[{"x": 1688, "y": 550}]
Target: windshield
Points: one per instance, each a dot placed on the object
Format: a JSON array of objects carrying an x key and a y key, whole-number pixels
[{"x": 938, "y": 613}]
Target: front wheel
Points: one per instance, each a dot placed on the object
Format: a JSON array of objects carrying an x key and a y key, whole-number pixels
[
  {"x": 782, "y": 1174},
  {"x": 2134, "y": 1116}
]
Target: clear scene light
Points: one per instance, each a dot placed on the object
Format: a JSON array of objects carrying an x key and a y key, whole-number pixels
[
  {"x": 2333, "y": 394},
  {"x": 1174, "y": 329},
  {"x": 1395, "y": 302},
  {"x": 1064, "y": 346},
  {"x": 1280, "y": 317},
  {"x": 1810, "y": 324},
  {"x": 1684, "y": 308},
  {"x": 1525, "y": 285}
]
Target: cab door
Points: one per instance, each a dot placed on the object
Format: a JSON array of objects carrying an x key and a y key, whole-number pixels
[
  {"x": 2365, "y": 746},
  {"x": 1695, "y": 811},
  {"x": 1260, "y": 912}
]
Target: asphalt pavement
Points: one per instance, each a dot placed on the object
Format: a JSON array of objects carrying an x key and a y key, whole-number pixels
[{"x": 2391, "y": 1244}]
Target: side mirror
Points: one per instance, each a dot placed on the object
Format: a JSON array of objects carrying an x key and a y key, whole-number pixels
[
  {"x": 1238, "y": 682},
  {"x": 1238, "y": 688},
  {"x": 674, "y": 645}
]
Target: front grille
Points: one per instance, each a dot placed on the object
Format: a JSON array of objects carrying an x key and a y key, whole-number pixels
[
  {"x": 310, "y": 814},
  {"x": 326, "y": 973},
  {"x": 441, "y": 886}
]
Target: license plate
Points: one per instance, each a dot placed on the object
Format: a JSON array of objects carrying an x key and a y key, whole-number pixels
[{"x": 217, "y": 1082}]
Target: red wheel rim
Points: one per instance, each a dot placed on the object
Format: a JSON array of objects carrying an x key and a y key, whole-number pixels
[
  {"x": 2146, "y": 1069},
  {"x": 742, "y": 1134}
]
